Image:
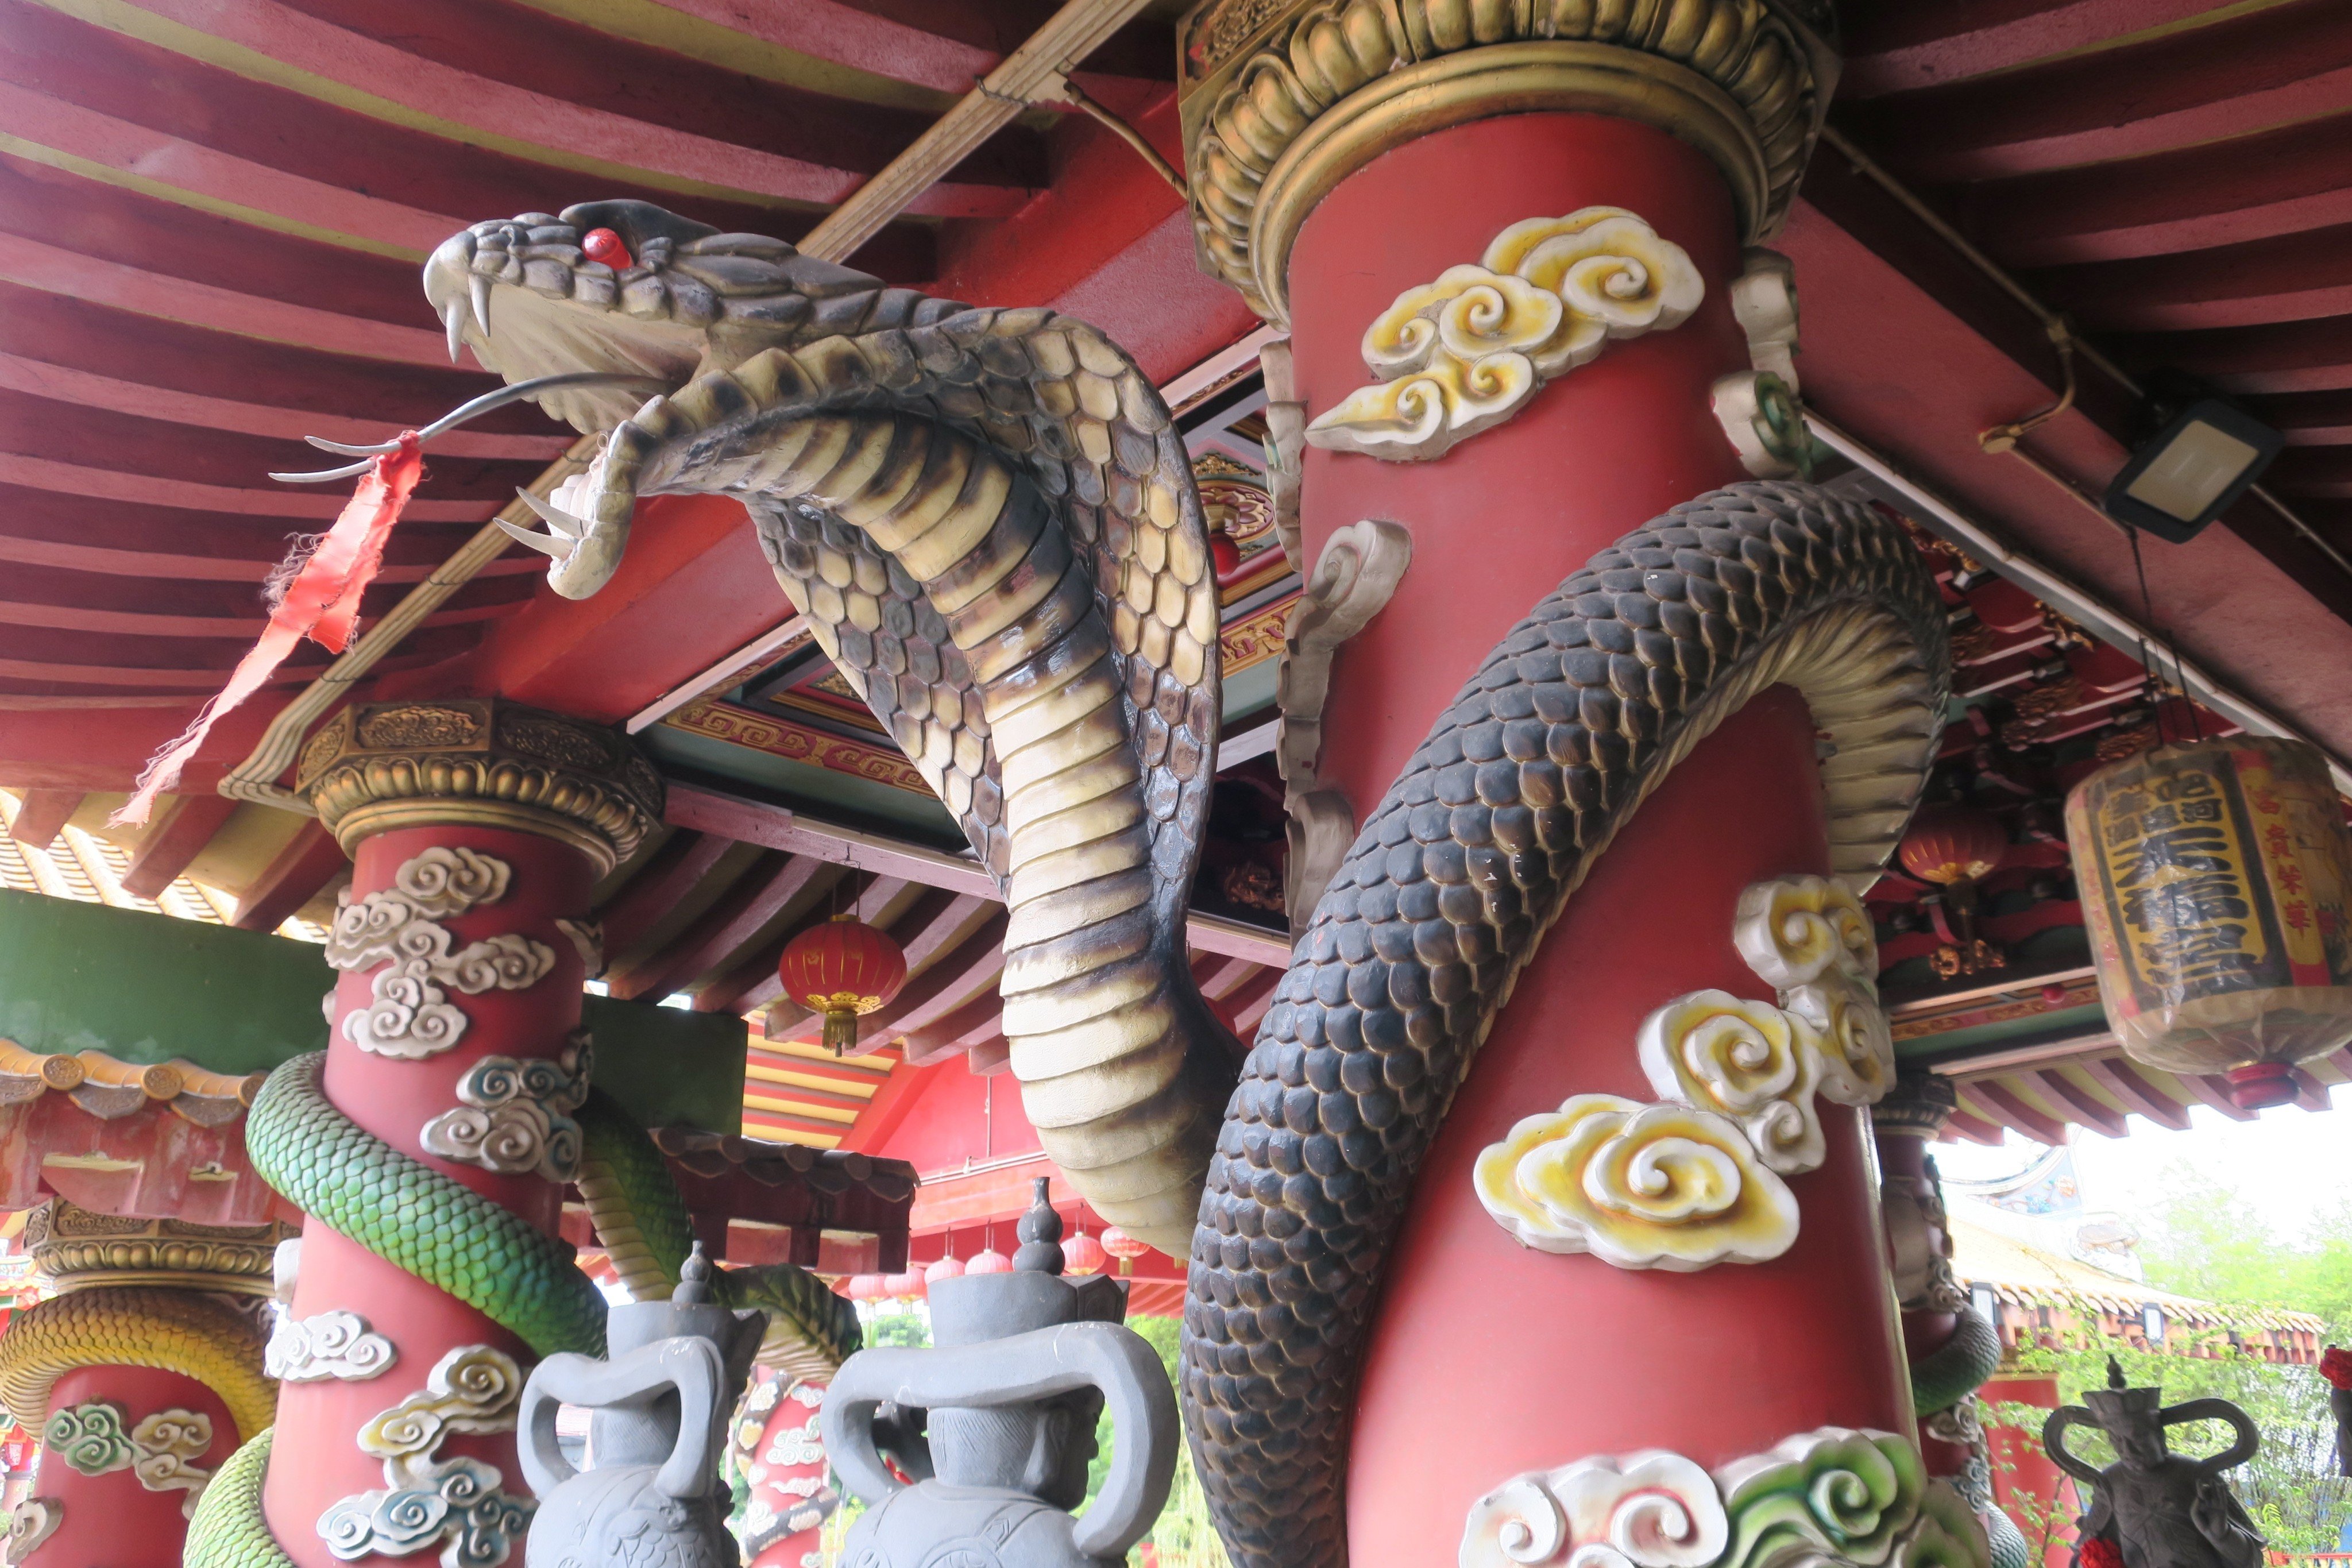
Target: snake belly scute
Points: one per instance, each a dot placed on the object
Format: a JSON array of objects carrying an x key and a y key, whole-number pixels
[
  {"x": 418, "y": 1219},
  {"x": 989, "y": 519},
  {"x": 1569, "y": 721}
]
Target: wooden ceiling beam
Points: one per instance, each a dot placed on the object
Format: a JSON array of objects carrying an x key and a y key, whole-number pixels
[
  {"x": 43, "y": 815},
  {"x": 2008, "y": 1108},
  {"x": 2214, "y": 1091},
  {"x": 2120, "y": 1078},
  {"x": 646, "y": 898},
  {"x": 956, "y": 1031},
  {"x": 160, "y": 859},
  {"x": 2094, "y": 1112},
  {"x": 757, "y": 897},
  {"x": 308, "y": 863}
]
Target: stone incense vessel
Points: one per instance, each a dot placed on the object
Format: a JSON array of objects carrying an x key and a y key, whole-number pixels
[
  {"x": 651, "y": 1497},
  {"x": 998, "y": 1423},
  {"x": 2162, "y": 1510}
]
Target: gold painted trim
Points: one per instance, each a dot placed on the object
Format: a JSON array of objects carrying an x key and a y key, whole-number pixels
[
  {"x": 165, "y": 1279},
  {"x": 378, "y": 766},
  {"x": 1480, "y": 84}
]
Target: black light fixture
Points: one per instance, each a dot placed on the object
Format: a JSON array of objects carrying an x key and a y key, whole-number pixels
[{"x": 2196, "y": 455}]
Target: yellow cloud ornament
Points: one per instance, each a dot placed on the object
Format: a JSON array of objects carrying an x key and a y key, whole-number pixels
[
  {"x": 1640, "y": 1186},
  {"x": 1465, "y": 353}
]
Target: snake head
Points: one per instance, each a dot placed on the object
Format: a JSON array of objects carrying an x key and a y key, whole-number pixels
[{"x": 672, "y": 298}]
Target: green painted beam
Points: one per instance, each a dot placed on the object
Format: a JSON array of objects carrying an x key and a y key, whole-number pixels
[{"x": 146, "y": 988}]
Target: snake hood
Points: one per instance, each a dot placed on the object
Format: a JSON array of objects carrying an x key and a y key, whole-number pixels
[{"x": 989, "y": 519}]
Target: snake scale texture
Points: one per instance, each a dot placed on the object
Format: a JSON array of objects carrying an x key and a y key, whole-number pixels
[
  {"x": 194, "y": 1335},
  {"x": 1445, "y": 894},
  {"x": 1957, "y": 1367},
  {"x": 989, "y": 519},
  {"x": 420, "y": 1220}
]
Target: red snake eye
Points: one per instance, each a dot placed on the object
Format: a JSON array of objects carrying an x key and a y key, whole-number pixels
[{"x": 603, "y": 244}]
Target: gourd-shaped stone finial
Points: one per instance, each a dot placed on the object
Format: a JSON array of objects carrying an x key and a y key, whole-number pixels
[
  {"x": 693, "y": 1281},
  {"x": 1040, "y": 1251}
]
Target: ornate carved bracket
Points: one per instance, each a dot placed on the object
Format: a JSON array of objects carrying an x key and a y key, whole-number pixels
[{"x": 1356, "y": 573}]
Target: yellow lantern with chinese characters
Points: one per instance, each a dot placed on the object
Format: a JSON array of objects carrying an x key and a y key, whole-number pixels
[{"x": 2214, "y": 880}]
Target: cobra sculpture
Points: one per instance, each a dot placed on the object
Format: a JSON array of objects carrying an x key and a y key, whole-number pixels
[{"x": 991, "y": 524}]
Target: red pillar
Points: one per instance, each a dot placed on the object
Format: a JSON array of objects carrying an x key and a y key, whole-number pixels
[
  {"x": 105, "y": 1514},
  {"x": 1488, "y": 1359},
  {"x": 415, "y": 817}
]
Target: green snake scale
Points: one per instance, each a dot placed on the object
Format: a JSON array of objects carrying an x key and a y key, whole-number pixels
[
  {"x": 438, "y": 1228},
  {"x": 989, "y": 521},
  {"x": 1959, "y": 1367},
  {"x": 1445, "y": 894},
  {"x": 418, "y": 1219},
  {"x": 228, "y": 1531}
]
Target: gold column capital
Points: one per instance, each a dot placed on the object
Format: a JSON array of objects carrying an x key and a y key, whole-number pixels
[
  {"x": 483, "y": 762},
  {"x": 77, "y": 1249},
  {"x": 1282, "y": 100}
]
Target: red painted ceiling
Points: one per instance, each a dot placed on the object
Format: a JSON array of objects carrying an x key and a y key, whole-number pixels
[{"x": 211, "y": 220}]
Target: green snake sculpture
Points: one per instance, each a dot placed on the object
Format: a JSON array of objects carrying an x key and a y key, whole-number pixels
[
  {"x": 990, "y": 523},
  {"x": 441, "y": 1230}
]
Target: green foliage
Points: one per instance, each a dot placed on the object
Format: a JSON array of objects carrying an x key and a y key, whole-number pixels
[
  {"x": 2289, "y": 1486},
  {"x": 911, "y": 1330}
]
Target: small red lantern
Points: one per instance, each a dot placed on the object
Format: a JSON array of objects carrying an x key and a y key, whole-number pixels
[
  {"x": 865, "y": 1287},
  {"x": 1082, "y": 1254},
  {"x": 1123, "y": 1247},
  {"x": 1952, "y": 844},
  {"x": 947, "y": 1267},
  {"x": 909, "y": 1286},
  {"x": 842, "y": 969},
  {"x": 990, "y": 1262}
]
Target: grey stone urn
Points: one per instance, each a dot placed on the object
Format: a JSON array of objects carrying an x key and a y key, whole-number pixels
[
  {"x": 2163, "y": 1510},
  {"x": 991, "y": 1431},
  {"x": 651, "y": 1496}
]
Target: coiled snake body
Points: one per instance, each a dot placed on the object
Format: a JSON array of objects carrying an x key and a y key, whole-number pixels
[
  {"x": 991, "y": 526},
  {"x": 441, "y": 1230},
  {"x": 1571, "y": 720}
]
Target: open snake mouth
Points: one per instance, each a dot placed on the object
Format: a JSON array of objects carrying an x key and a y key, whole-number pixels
[{"x": 677, "y": 299}]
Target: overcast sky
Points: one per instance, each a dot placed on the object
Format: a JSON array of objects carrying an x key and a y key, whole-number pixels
[{"x": 2286, "y": 1164}]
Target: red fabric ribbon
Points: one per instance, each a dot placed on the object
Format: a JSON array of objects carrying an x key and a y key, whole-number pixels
[{"x": 321, "y": 602}]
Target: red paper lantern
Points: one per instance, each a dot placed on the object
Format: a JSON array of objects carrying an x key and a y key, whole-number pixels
[
  {"x": 990, "y": 1262},
  {"x": 865, "y": 1287},
  {"x": 1082, "y": 1254},
  {"x": 909, "y": 1285},
  {"x": 1951, "y": 844},
  {"x": 1120, "y": 1245},
  {"x": 842, "y": 969},
  {"x": 947, "y": 1267}
]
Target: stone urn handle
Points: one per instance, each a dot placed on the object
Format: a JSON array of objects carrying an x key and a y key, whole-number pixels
[
  {"x": 1017, "y": 1369},
  {"x": 691, "y": 1365},
  {"x": 2053, "y": 1438},
  {"x": 2250, "y": 1436}
]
